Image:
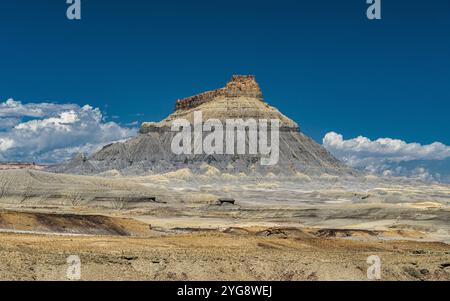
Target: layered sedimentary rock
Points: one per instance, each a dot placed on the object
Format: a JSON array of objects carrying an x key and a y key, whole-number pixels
[
  {"x": 238, "y": 86},
  {"x": 241, "y": 98}
]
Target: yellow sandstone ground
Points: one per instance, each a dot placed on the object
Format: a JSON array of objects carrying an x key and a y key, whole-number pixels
[
  {"x": 217, "y": 256},
  {"x": 235, "y": 253}
]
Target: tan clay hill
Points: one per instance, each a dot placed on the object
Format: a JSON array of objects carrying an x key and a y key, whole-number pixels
[{"x": 241, "y": 98}]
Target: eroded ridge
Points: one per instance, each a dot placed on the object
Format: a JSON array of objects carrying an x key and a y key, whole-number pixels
[{"x": 239, "y": 85}]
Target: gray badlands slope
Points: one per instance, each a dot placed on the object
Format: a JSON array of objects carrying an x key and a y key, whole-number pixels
[
  {"x": 241, "y": 98},
  {"x": 31, "y": 188},
  {"x": 184, "y": 200}
]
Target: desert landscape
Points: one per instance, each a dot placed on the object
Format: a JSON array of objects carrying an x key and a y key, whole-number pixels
[
  {"x": 225, "y": 148},
  {"x": 135, "y": 210},
  {"x": 173, "y": 227}
]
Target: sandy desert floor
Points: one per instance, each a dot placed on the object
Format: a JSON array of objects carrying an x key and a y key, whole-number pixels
[
  {"x": 289, "y": 229},
  {"x": 239, "y": 254}
]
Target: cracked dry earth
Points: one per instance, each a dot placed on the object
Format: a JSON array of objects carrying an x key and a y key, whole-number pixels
[{"x": 238, "y": 255}]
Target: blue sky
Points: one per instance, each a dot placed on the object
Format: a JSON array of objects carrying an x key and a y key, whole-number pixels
[{"x": 323, "y": 63}]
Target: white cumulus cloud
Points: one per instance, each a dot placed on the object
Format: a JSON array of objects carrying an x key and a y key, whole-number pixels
[
  {"x": 12, "y": 108},
  {"x": 49, "y": 133},
  {"x": 387, "y": 156}
]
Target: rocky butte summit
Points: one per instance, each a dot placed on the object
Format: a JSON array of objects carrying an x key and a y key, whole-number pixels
[{"x": 241, "y": 98}]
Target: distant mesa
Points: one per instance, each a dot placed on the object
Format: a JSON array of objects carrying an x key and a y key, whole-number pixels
[
  {"x": 241, "y": 98},
  {"x": 20, "y": 165}
]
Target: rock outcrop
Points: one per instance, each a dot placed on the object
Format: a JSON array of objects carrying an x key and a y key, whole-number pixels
[
  {"x": 241, "y": 98},
  {"x": 239, "y": 85}
]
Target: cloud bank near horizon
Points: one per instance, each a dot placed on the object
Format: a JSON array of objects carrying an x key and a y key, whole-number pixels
[
  {"x": 51, "y": 133},
  {"x": 392, "y": 157}
]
